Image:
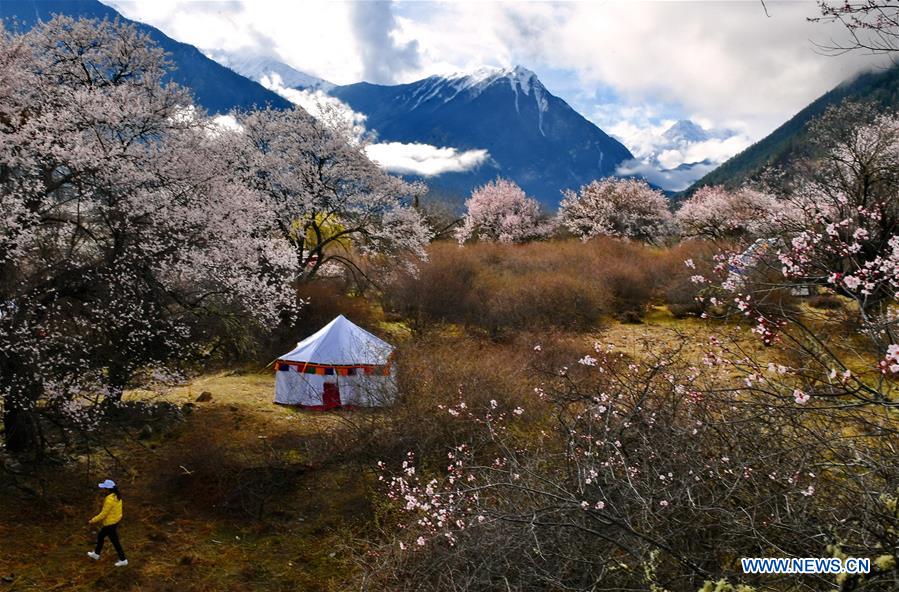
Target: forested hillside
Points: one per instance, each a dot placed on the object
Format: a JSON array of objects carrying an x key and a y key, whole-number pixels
[{"x": 791, "y": 140}]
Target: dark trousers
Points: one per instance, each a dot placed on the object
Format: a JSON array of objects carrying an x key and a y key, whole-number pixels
[{"x": 111, "y": 531}]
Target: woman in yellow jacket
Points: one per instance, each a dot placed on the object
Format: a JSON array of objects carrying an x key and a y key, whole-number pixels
[{"x": 109, "y": 518}]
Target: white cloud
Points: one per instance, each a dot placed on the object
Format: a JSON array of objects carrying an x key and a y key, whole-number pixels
[
  {"x": 423, "y": 159},
  {"x": 385, "y": 57},
  {"x": 319, "y": 105},
  {"x": 671, "y": 179},
  {"x": 714, "y": 150},
  {"x": 641, "y": 137},
  {"x": 314, "y": 36}
]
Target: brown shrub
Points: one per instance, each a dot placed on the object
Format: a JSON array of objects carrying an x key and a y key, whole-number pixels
[
  {"x": 631, "y": 288},
  {"x": 212, "y": 477},
  {"x": 436, "y": 373},
  {"x": 680, "y": 292},
  {"x": 436, "y": 291},
  {"x": 541, "y": 300},
  {"x": 324, "y": 299},
  {"x": 825, "y": 302},
  {"x": 568, "y": 285}
]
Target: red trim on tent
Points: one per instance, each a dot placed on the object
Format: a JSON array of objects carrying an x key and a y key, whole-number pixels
[{"x": 335, "y": 369}]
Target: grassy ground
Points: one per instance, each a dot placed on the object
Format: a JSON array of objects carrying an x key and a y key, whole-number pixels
[{"x": 177, "y": 532}]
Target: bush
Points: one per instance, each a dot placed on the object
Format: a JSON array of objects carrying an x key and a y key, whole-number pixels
[
  {"x": 434, "y": 373},
  {"x": 541, "y": 300},
  {"x": 631, "y": 288},
  {"x": 681, "y": 293},
  {"x": 502, "y": 289},
  {"x": 644, "y": 474},
  {"x": 213, "y": 478},
  {"x": 437, "y": 291}
]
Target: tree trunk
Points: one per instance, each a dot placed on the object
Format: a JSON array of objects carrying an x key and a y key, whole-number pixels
[
  {"x": 20, "y": 427},
  {"x": 20, "y": 431},
  {"x": 118, "y": 379}
]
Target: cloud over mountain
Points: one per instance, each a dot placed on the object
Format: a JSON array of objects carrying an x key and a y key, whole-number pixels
[
  {"x": 679, "y": 59},
  {"x": 674, "y": 154},
  {"x": 413, "y": 158},
  {"x": 423, "y": 159},
  {"x": 384, "y": 58}
]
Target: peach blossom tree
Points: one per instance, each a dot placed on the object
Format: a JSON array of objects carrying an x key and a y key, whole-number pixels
[
  {"x": 626, "y": 208},
  {"x": 500, "y": 211},
  {"x": 717, "y": 213},
  {"x": 121, "y": 237}
]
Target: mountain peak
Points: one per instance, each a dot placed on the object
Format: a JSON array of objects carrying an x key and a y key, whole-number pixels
[
  {"x": 686, "y": 130},
  {"x": 518, "y": 76},
  {"x": 531, "y": 136},
  {"x": 262, "y": 68},
  {"x": 473, "y": 83},
  {"x": 689, "y": 131}
]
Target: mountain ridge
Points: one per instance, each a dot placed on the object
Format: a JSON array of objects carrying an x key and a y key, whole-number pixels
[
  {"x": 789, "y": 141},
  {"x": 215, "y": 87},
  {"x": 257, "y": 66}
]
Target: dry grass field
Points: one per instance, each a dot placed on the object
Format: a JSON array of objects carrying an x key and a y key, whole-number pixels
[{"x": 178, "y": 531}]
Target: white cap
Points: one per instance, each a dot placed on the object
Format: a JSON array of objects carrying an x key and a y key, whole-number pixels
[{"x": 108, "y": 484}]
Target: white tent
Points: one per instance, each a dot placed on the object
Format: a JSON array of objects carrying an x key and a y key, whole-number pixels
[{"x": 342, "y": 364}]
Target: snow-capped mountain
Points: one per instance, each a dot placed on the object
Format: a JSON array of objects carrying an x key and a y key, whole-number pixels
[
  {"x": 263, "y": 68},
  {"x": 673, "y": 157},
  {"x": 685, "y": 132},
  {"x": 532, "y": 136}
]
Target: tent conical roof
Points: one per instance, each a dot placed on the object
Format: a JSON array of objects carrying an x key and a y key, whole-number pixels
[{"x": 341, "y": 343}]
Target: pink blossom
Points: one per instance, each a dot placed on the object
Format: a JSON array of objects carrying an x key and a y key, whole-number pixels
[
  {"x": 716, "y": 213},
  {"x": 801, "y": 397}
]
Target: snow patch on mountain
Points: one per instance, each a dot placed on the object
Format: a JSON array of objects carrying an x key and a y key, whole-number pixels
[
  {"x": 256, "y": 67},
  {"x": 473, "y": 83}
]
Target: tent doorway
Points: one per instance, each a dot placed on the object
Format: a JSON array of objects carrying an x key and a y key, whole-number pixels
[{"x": 331, "y": 396}]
